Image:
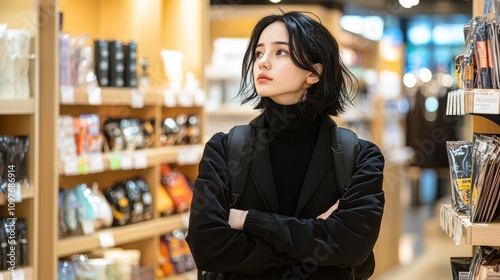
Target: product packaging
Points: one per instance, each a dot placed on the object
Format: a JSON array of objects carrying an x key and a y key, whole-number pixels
[
  {"x": 460, "y": 162},
  {"x": 460, "y": 268}
]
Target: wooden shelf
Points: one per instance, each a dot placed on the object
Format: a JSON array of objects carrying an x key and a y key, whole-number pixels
[
  {"x": 116, "y": 96},
  {"x": 120, "y": 235},
  {"x": 27, "y": 192},
  {"x": 458, "y": 226},
  {"x": 190, "y": 275},
  {"x": 25, "y": 273},
  {"x": 139, "y": 159},
  {"x": 17, "y": 106}
]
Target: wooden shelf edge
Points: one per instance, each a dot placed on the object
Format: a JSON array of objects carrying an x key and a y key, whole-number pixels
[
  {"x": 121, "y": 235},
  {"x": 183, "y": 155},
  {"x": 148, "y": 158},
  {"x": 17, "y": 106},
  {"x": 189, "y": 275},
  {"x": 462, "y": 231},
  {"x": 25, "y": 273},
  {"x": 117, "y": 96}
]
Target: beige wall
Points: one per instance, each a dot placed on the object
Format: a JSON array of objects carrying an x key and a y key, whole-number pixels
[{"x": 238, "y": 21}]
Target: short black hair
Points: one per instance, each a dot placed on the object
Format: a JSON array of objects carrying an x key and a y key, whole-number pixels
[{"x": 310, "y": 43}]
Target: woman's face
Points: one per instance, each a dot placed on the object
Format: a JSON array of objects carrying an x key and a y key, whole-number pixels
[{"x": 275, "y": 75}]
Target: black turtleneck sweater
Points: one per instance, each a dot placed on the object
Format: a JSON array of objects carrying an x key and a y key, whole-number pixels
[{"x": 291, "y": 149}]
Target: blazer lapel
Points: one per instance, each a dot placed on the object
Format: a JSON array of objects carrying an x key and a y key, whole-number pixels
[
  {"x": 321, "y": 161},
  {"x": 264, "y": 182}
]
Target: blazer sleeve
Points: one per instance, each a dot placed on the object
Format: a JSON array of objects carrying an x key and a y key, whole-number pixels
[
  {"x": 345, "y": 238},
  {"x": 214, "y": 244}
]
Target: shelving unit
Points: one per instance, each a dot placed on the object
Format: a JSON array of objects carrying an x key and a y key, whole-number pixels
[
  {"x": 21, "y": 117},
  {"x": 165, "y": 28},
  {"x": 457, "y": 225}
]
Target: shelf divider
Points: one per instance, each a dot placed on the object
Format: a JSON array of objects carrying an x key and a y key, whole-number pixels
[{"x": 121, "y": 235}]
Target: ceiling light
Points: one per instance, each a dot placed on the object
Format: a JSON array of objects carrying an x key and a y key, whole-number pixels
[
  {"x": 425, "y": 75},
  {"x": 406, "y": 3},
  {"x": 275, "y": 1}
]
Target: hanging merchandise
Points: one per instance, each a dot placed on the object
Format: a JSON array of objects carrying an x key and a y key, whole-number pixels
[
  {"x": 478, "y": 69},
  {"x": 485, "y": 264},
  {"x": 485, "y": 190},
  {"x": 460, "y": 268},
  {"x": 460, "y": 161}
]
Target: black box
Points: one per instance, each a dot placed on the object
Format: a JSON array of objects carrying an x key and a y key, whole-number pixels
[
  {"x": 101, "y": 57},
  {"x": 116, "y": 64},
  {"x": 130, "y": 50}
]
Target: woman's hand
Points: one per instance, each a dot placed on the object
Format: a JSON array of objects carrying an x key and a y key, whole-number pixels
[
  {"x": 329, "y": 211},
  {"x": 237, "y": 218}
]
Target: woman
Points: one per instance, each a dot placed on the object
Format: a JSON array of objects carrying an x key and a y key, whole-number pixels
[{"x": 292, "y": 221}]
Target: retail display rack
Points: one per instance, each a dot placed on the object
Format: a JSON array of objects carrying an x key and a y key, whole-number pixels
[
  {"x": 37, "y": 117},
  {"x": 20, "y": 117},
  {"x": 481, "y": 104}
]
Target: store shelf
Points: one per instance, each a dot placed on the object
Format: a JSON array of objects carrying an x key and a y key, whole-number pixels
[
  {"x": 139, "y": 159},
  {"x": 17, "y": 106},
  {"x": 24, "y": 273},
  {"x": 190, "y": 275},
  {"x": 111, "y": 96},
  {"x": 458, "y": 226},
  {"x": 27, "y": 192},
  {"x": 119, "y": 235}
]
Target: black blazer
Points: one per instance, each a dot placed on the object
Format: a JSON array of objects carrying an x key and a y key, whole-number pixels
[{"x": 273, "y": 246}]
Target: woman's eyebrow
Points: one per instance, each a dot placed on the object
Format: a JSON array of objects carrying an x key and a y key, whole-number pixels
[{"x": 273, "y": 43}]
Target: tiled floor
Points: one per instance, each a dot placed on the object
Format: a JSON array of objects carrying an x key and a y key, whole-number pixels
[{"x": 425, "y": 250}]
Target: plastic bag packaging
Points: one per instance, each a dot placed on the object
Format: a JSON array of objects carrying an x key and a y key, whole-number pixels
[
  {"x": 460, "y": 162},
  {"x": 460, "y": 267}
]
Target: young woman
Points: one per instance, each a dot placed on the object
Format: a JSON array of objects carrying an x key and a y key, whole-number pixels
[{"x": 292, "y": 221}]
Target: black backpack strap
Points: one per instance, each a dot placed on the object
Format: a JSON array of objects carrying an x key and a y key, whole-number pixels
[
  {"x": 239, "y": 147},
  {"x": 345, "y": 149}
]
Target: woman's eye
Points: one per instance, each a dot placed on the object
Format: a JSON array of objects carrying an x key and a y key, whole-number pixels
[
  {"x": 282, "y": 52},
  {"x": 258, "y": 54}
]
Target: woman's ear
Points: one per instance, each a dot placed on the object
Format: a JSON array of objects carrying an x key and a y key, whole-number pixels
[{"x": 313, "y": 78}]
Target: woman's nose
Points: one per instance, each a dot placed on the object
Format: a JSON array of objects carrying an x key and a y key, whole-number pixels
[{"x": 264, "y": 62}]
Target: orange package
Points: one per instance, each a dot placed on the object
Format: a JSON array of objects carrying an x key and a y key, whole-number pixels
[{"x": 177, "y": 187}]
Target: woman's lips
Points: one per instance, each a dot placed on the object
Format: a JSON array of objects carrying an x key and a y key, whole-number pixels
[{"x": 263, "y": 78}]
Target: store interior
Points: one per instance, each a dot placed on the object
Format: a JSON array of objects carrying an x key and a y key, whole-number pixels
[{"x": 105, "y": 107}]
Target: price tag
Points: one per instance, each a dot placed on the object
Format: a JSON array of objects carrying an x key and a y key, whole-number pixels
[
  {"x": 136, "y": 98},
  {"x": 17, "y": 274},
  {"x": 486, "y": 102},
  {"x": 114, "y": 161},
  {"x": 458, "y": 232},
  {"x": 82, "y": 166},
  {"x": 169, "y": 98},
  {"x": 106, "y": 239},
  {"x": 94, "y": 96},
  {"x": 127, "y": 160},
  {"x": 140, "y": 159},
  {"x": 67, "y": 95},
  {"x": 96, "y": 163},
  {"x": 188, "y": 155}
]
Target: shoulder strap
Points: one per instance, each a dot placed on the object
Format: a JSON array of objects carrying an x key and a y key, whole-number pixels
[
  {"x": 345, "y": 149},
  {"x": 239, "y": 149}
]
